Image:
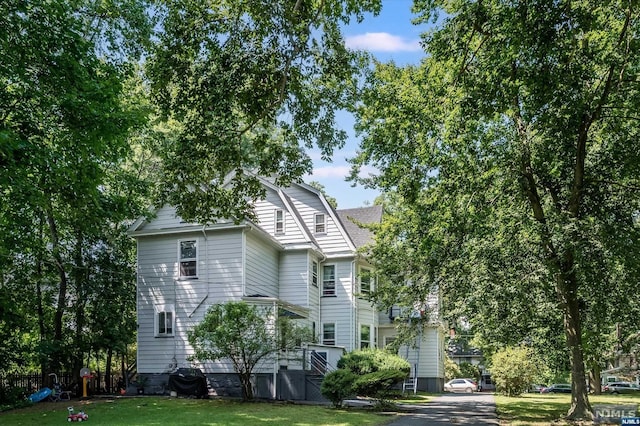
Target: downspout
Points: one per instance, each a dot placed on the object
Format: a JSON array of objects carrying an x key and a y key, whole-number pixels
[
  {"x": 277, "y": 360},
  {"x": 354, "y": 307},
  {"x": 244, "y": 261}
]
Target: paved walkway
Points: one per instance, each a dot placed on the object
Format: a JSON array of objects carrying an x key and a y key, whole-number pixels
[{"x": 474, "y": 409}]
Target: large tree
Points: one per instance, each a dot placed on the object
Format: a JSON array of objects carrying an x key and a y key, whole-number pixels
[
  {"x": 65, "y": 121},
  {"x": 252, "y": 84},
  {"x": 512, "y": 153}
]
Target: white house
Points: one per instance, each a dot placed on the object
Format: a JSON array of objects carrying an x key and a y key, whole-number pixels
[{"x": 299, "y": 255}]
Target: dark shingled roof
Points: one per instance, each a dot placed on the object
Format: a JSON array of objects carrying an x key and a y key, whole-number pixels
[{"x": 367, "y": 215}]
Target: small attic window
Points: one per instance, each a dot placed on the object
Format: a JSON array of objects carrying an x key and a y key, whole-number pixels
[
  {"x": 278, "y": 220},
  {"x": 320, "y": 223}
]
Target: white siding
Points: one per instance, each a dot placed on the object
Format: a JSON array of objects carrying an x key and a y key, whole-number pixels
[
  {"x": 339, "y": 309},
  {"x": 308, "y": 204},
  {"x": 428, "y": 356},
  {"x": 294, "y": 278},
  {"x": 220, "y": 278},
  {"x": 167, "y": 218},
  {"x": 261, "y": 267},
  {"x": 265, "y": 211}
]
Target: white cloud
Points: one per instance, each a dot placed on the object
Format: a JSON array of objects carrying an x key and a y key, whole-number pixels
[
  {"x": 330, "y": 172},
  {"x": 382, "y": 42}
]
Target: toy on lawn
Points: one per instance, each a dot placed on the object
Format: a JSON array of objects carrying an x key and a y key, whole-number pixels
[
  {"x": 40, "y": 395},
  {"x": 76, "y": 417}
]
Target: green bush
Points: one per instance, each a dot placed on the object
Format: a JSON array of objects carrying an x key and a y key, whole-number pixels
[
  {"x": 373, "y": 372},
  {"x": 514, "y": 369},
  {"x": 13, "y": 397},
  {"x": 366, "y": 361},
  {"x": 469, "y": 370},
  {"x": 337, "y": 385},
  {"x": 378, "y": 383}
]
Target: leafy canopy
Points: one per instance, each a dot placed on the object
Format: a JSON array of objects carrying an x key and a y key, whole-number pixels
[
  {"x": 252, "y": 84},
  {"x": 511, "y": 160}
]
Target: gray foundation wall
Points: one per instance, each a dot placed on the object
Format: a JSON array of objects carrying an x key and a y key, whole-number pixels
[{"x": 291, "y": 385}]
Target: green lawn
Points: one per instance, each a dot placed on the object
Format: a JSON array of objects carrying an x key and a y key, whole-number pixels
[
  {"x": 544, "y": 409},
  {"x": 179, "y": 411}
]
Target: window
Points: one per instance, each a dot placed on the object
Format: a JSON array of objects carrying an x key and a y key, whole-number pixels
[
  {"x": 320, "y": 225},
  {"x": 329, "y": 333},
  {"x": 314, "y": 273},
  {"x": 329, "y": 280},
  {"x": 164, "y": 320},
  {"x": 278, "y": 219},
  {"x": 366, "y": 281},
  {"x": 365, "y": 336},
  {"x": 188, "y": 259},
  {"x": 388, "y": 340}
]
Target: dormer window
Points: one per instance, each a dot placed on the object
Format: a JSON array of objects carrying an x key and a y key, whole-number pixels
[
  {"x": 188, "y": 259},
  {"x": 320, "y": 223},
  {"x": 278, "y": 219}
]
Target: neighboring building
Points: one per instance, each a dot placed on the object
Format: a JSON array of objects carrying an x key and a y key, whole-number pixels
[
  {"x": 460, "y": 351},
  {"x": 300, "y": 255}
]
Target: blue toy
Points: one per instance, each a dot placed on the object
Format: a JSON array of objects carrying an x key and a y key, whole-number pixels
[{"x": 40, "y": 395}]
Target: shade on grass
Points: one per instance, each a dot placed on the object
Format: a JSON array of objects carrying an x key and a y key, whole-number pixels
[
  {"x": 178, "y": 411},
  {"x": 544, "y": 409}
]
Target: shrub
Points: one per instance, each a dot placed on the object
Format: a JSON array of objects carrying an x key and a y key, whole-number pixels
[
  {"x": 514, "y": 369},
  {"x": 378, "y": 383},
  {"x": 373, "y": 371},
  {"x": 469, "y": 370},
  {"x": 337, "y": 385},
  {"x": 12, "y": 397},
  {"x": 451, "y": 369},
  {"x": 371, "y": 360}
]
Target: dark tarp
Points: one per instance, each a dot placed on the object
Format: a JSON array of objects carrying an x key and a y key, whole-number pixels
[{"x": 190, "y": 382}]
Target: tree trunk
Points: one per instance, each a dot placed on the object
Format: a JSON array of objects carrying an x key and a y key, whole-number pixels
[
  {"x": 595, "y": 380},
  {"x": 580, "y": 407},
  {"x": 247, "y": 389},
  {"x": 107, "y": 371},
  {"x": 56, "y": 361}
]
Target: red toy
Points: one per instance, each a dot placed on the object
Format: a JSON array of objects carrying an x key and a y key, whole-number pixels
[{"x": 76, "y": 417}]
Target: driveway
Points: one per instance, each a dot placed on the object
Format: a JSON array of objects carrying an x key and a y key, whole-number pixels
[{"x": 451, "y": 408}]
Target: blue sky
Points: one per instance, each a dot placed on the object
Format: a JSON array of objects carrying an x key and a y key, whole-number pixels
[{"x": 390, "y": 36}]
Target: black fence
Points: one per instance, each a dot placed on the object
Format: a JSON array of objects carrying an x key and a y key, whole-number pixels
[{"x": 33, "y": 381}]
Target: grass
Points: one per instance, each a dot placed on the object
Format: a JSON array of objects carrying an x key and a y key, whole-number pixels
[
  {"x": 544, "y": 409},
  {"x": 179, "y": 411}
]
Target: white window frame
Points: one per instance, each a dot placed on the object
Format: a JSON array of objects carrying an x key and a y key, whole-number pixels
[
  {"x": 168, "y": 327},
  {"x": 325, "y": 341},
  {"x": 320, "y": 227},
  {"x": 278, "y": 222},
  {"x": 368, "y": 273},
  {"x": 365, "y": 343},
  {"x": 314, "y": 273},
  {"x": 187, "y": 259},
  {"x": 327, "y": 291}
]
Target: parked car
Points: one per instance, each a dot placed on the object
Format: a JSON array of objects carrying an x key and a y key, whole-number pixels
[
  {"x": 536, "y": 388},
  {"x": 461, "y": 385},
  {"x": 621, "y": 387},
  {"x": 557, "y": 388}
]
